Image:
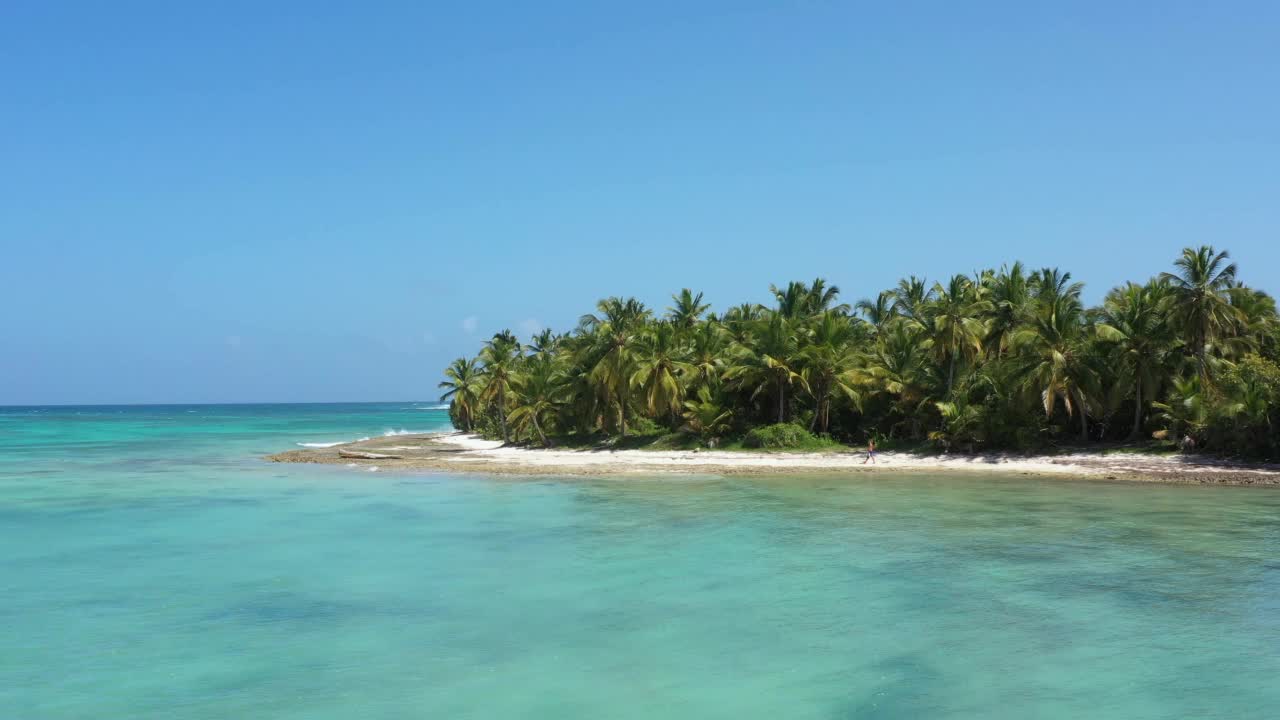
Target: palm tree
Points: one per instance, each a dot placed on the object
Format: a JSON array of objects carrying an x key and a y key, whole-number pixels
[
  {"x": 1049, "y": 284},
  {"x": 878, "y": 312},
  {"x": 829, "y": 361},
  {"x": 911, "y": 299},
  {"x": 1010, "y": 296},
  {"x": 768, "y": 362},
  {"x": 1251, "y": 407},
  {"x": 1257, "y": 319},
  {"x": 708, "y": 342},
  {"x": 898, "y": 367},
  {"x": 462, "y": 386},
  {"x": 660, "y": 364},
  {"x": 956, "y": 329},
  {"x": 500, "y": 355},
  {"x": 706, "y": 418},
  {"x": 1184, "y": 411},
  {"x": 687, "y": 309},
  {"x": 1200, "y": 302},
  {"x": 822, "y": 298},
  {"x": 1054, "y": 350},
  {"x": 538, "y": 394},
  {"x": 961, "y": 422},
  {"x": 981, "y": 358},
  {"x": 1133, "y": 322},
  {"x": 799, "y": 300},
  {"x": 582, "y": 409},
  {"x": 741, "y": 320},
  {"x": 791, "y": 301},
  {"x": 615, "y": 331},
  {"x": 544, "y": 341}
]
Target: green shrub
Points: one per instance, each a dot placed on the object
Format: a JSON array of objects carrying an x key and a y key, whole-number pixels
[
  {"x": 455, "y": 417},
  {"x": 779, "y": 436},
  {"x": 641, "y": 426},
  {"x": 487, "y": 425},
  {"x": 1244, "y": 410}
]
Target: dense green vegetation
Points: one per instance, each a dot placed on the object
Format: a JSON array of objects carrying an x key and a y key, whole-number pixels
[{"x": 1005, "y": 358}]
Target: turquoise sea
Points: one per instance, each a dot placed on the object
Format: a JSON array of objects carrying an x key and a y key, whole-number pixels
[{"x": 153, "y": 566}]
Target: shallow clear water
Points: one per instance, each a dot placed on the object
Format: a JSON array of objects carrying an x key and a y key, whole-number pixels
[{"x": 151, "y": 566}]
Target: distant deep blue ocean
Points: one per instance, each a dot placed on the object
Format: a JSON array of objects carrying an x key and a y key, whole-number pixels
[{"x": 152, "y": 565}]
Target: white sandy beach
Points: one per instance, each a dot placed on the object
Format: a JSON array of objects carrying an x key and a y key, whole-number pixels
[
  {"x": 469, "y": 453},
  {"x": 481, "y": 451}
]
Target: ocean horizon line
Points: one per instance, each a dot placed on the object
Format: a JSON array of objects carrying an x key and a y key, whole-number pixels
[{"x": 23, "y": 406}]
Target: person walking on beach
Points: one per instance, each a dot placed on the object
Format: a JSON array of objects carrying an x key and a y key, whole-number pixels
[{"x": 871, "y": 452}]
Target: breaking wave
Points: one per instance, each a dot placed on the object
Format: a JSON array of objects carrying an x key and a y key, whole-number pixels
[{"x": 329, "y": 444}]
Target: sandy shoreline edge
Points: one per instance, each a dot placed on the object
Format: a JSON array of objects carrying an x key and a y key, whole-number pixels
[{"x": 460, "y": 452}]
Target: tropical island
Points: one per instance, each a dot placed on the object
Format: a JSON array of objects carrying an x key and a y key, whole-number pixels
[{"x": 996, "y": 364}]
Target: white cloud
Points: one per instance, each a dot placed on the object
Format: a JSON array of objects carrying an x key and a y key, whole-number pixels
[
  {"x": 530, "y": 327},
  {"x": 469, "y": 325}
]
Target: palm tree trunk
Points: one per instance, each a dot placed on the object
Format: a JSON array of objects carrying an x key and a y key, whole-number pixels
[
  {"x": 1201, "y": 337},
  {"x": 541, "y": 435},
  {"x": 782, "y": 401},
  {"x": 1137, "y": 410},
  {"x": 951, "y": 374},
  {"x": 502, "y": 414},
  {"x": 1084, "y": 417},
  {"x": 826, "y": 408}
]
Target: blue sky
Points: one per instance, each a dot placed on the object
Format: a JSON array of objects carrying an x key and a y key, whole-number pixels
[{"x": 235, "y": 201}]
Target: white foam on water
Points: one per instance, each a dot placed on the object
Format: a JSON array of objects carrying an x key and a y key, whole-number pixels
[{"x": 329, "y": 444}]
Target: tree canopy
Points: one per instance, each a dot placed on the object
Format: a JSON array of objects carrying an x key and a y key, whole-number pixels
[{"x": 1005, "y": 358}]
